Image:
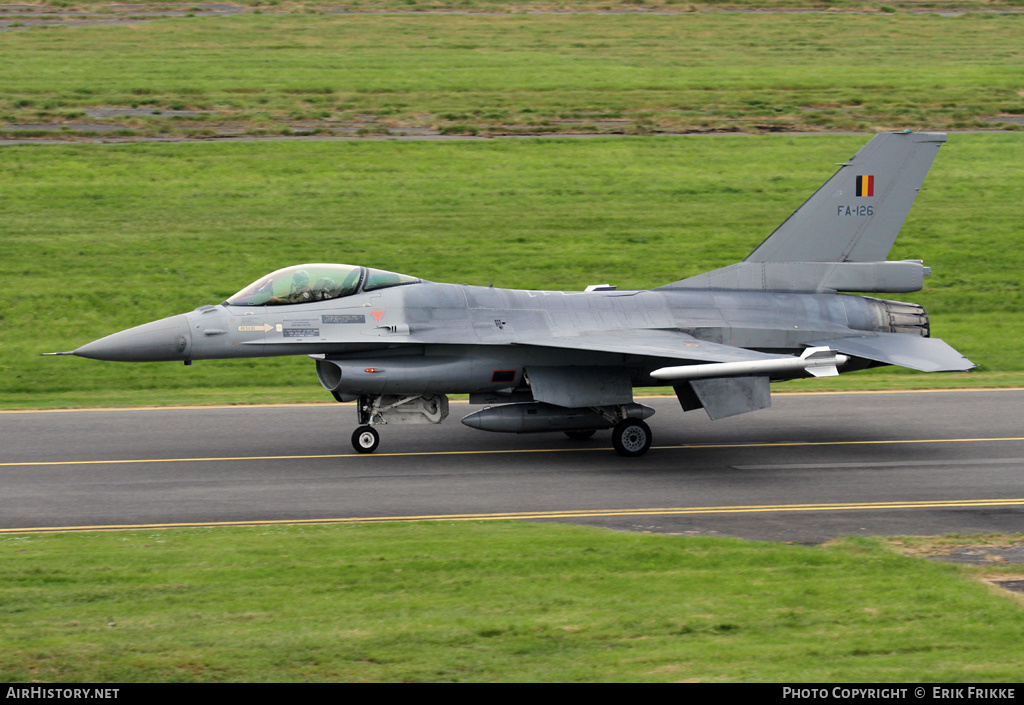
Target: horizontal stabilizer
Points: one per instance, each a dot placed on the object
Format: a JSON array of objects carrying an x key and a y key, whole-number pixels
[{"x": 903, "y": 349}]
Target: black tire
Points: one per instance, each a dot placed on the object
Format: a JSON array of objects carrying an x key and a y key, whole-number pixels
[
  {"x": 580, "y": 435},
  {"x": 365, "y": 439},
  {"x": 631, "y": 438}
]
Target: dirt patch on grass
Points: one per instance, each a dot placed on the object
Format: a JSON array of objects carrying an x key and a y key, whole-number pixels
[
  {"x": 982, "y": 549},
  {"x": 998, "y": 558}
]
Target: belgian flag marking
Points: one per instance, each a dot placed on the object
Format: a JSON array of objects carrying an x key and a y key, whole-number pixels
[{"x": 866, "y": 186}]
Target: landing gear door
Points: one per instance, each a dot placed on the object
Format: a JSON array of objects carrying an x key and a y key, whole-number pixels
[{"x": 575, "y": 387}]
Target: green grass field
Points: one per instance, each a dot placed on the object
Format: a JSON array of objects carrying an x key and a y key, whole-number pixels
[
  {"x": 509, "y": 6},
  {"x": 518, "y": 73},
  {"x": 490, "y": 602},
  {"x": 97, "y": 238}
]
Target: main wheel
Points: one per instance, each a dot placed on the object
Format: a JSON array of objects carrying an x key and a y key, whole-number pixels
[
  {"x": 580, "y": 435},
  {"x": 631, "y": 438},
  {"x": 365, "y": 439}
]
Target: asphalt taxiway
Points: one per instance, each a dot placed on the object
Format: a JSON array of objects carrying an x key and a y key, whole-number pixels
[{"x": 810, "y": 468}]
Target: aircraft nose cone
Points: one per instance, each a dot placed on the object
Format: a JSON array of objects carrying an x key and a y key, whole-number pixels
[{"x": 166, "y": 339}]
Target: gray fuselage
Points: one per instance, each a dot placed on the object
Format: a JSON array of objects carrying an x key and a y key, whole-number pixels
[{"x": 448, "y": 338}]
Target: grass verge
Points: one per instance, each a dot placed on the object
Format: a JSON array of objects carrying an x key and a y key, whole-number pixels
[
  {"x": 483, "y": 601},
  {"x": 454, "y": 73}
]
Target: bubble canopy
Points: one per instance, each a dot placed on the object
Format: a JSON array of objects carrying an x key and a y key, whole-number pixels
[{"x": 306, "y": 283}]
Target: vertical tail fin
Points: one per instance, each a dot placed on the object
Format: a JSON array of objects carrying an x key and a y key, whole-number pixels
[
  {"x": 839, "y": 238},
  {"x": 857, "y": 214}
]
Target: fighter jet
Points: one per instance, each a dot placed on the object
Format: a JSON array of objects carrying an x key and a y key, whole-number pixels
[{"x": 568, "y": 361}]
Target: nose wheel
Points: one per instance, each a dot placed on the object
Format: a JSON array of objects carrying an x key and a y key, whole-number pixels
[{"x": 365, "y": 439}]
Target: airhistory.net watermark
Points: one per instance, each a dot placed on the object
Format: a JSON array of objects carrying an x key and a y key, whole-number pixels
[{"x": 34, "y": 692}]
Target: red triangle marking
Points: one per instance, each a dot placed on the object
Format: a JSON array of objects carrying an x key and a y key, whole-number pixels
[{"x": 377, "y": 315}]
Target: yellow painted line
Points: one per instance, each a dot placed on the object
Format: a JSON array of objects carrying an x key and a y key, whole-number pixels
[
  {"x": 506, "y": 451},
  {"x": 563, "y": 514},
  {"x": 300, "y": 405},
  {"x": 194, "y": 407},
  {"x": 297, "y": 457},
  {"x": 895, "y": 391},
  {"x": 844, "y": 443}
]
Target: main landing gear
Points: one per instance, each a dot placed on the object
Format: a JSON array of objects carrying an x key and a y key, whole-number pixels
[{"x": 631, "y": 438}]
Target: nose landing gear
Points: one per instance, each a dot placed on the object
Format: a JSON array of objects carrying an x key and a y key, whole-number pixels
[
  {"x": 393, "y": 409},
  {"x": 365, "y": 439}
]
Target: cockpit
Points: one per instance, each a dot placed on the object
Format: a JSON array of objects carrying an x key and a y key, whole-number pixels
[{"x": 306, "y": 283}]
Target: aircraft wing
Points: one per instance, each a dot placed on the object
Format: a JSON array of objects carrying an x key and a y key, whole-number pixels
[
  {"x": 903, "y": 349},
  {"x": 670, "y": 344},
  {"x": 725, "y": 396}
]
